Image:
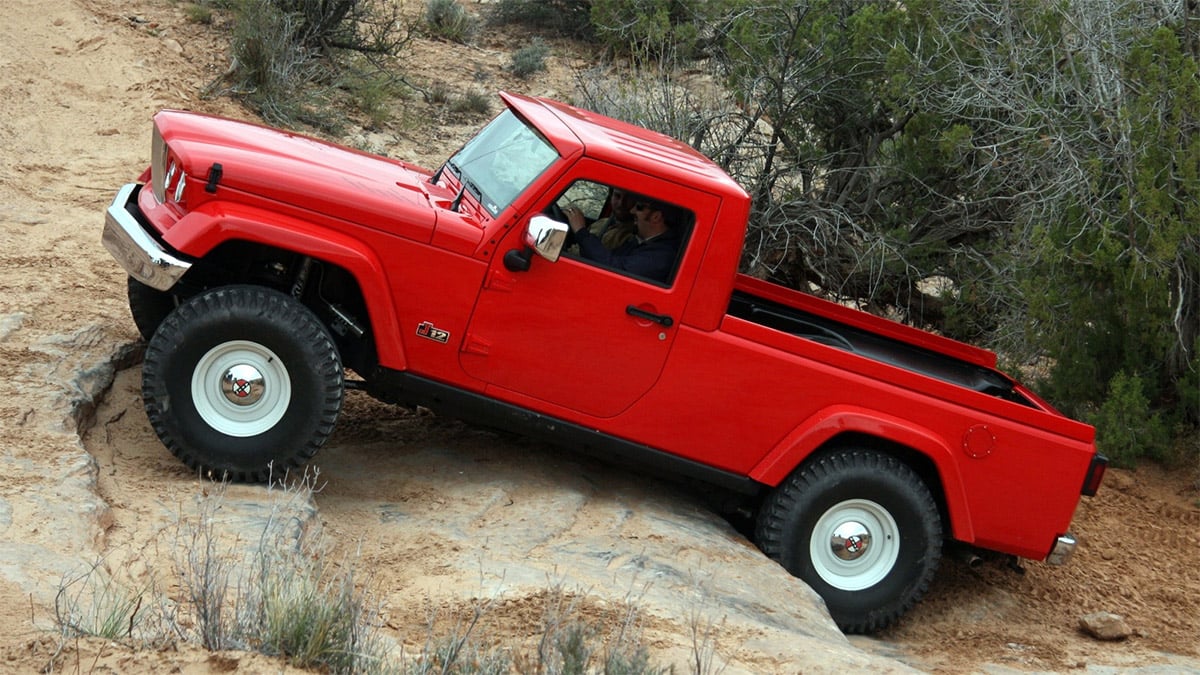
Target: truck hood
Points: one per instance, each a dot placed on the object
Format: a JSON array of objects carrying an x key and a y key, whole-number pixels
[{"x": 310, "y": 174}]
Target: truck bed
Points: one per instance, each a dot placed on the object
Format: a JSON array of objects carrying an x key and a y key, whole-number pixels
[{"x": 833, "y": 333}]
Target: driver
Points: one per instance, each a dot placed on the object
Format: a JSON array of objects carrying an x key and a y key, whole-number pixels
[{"x": 650, "y": 253}]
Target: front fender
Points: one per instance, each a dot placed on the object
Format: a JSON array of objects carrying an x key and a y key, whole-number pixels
[
  {"x": 830, "y": 422},
  {"x": 214, "y": 223}
]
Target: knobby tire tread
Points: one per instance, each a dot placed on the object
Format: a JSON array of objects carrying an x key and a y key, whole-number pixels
[
  {"x": 229, "y": 301},
  {"x": 771, "y": 531}
]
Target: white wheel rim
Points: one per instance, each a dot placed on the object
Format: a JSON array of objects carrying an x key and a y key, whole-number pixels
[
  {"x": 854, "y": 545},
  {"x": 241, "y": 388}
]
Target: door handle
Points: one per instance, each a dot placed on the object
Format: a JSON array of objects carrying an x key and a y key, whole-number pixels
[{"x": 660, "y": 319}]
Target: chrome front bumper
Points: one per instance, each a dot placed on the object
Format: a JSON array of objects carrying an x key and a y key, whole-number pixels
[
  {"x": 141, "y": 256},
  {"x": 1064, "y": 547}
]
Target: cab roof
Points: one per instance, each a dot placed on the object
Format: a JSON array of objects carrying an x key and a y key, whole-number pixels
[{"x": 573, "y": 130}]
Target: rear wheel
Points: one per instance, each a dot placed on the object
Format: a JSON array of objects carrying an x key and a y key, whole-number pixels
[
  {"x": 862, "y": 529},
  {"x": 242, "y": 382},
  {"x": 149, "y": 306}
]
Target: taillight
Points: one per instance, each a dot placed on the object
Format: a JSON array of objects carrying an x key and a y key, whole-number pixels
[{"x": 1095, "y": 475}]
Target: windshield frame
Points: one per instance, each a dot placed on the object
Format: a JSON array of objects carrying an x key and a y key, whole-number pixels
[{"x": 507, "y": 142}]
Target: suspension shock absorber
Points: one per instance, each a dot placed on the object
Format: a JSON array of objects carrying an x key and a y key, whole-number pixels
[{"x": 301, "y": 280}]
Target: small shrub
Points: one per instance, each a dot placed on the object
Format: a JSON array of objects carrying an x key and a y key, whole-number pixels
[
  {"x": 372, "y": 91},
  {"x": 654, "y": 98},
  {"x": 199, "y": 14},
  {"x": 313, "y": 615},
  {"x": 438, "y": 92},
  {"x": 282, "y": 597},
  {"x": 94, "y": 604},
  {"x": 530, "y": 59},
  {"x": 472, "y": 102},
  {"x": 653, "y": 28},
  {"x": 1125, "y": 428},
  {"x": 273, "y": 72},
  {"x": 564, "y": 18},
  {"x": 290, "y": 57},
  {"x": 449, "y": 20}
]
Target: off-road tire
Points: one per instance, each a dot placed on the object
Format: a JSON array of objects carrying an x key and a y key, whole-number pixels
[
  {"x": 195, "y": 375},
  {"x": 846, "y": 492},
  {"x": 149, "y": 306}
]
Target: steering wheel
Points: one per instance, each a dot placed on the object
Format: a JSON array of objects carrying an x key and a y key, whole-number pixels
[{"x": 556, "y": 212}]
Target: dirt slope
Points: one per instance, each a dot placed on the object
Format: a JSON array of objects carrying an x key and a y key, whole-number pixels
[{"x": 78, "y": 82}]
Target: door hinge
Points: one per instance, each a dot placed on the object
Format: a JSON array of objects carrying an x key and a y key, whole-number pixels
[
  {"x": 499, "y": 280},
  {"x": 474, "y": 345}
]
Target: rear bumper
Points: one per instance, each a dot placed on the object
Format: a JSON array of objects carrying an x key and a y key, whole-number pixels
[
  {"x": 1064, "y": 548},
  {"x": 141, "y": 256}
]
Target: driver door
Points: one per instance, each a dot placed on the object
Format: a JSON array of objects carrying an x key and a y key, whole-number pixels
[{"x": 563, "y": 332}]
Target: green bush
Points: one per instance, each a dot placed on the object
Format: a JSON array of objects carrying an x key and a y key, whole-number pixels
[
  {"x": 530, "y": 59},
  {"x": 373, "y": 91},
  {"x": 655, "y": 28},
  {"x": 449, "y": 20},
  {"x": 94, "y": 604},
  {"x": 1126, "y": 429},
  {"x": 563, "y": 18},
  {"x": 471, "y": 102},
  {"x": 199, "y": 14},
  {"x": 293, "y": 59},
  {"x": 272, "y": 70},
  {"x": 313, "y": 615}
]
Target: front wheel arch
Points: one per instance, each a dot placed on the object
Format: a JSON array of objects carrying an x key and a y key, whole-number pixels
[{"x": 205, "y": 234}]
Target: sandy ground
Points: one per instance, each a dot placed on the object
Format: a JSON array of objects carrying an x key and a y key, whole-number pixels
[{"x": 78, "y": 83}]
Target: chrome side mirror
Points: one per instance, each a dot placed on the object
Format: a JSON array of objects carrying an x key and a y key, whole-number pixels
[{"x": 546, "y": 236}]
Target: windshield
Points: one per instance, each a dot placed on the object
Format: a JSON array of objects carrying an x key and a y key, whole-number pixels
[{"x": 501, "y": 161}]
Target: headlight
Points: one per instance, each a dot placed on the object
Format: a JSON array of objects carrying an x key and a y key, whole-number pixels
[
  {"x": 167, "y": 177},
  {"x": 158, "y": 166}
]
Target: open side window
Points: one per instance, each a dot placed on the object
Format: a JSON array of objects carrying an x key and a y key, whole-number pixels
[{"x": 610, "y": 214}]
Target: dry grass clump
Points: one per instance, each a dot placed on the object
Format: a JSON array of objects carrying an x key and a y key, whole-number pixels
[{"x": 270, "y": 584}]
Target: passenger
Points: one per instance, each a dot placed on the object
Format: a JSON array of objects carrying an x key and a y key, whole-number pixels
[
  {"x": 619, "y": 226},
  {"x": 650, "y": 253}
]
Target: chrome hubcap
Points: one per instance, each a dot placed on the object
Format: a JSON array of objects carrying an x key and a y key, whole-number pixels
[
  {"x": 241, "y": 388},
  {"x": 850, "y": 540},
  {"x": 243, "y": 384},
  {"x": 854, "y": 544}
]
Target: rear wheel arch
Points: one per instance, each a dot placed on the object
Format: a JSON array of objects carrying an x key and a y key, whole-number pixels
[
  {"x": 921, "y": 450},
  {"x": 920, "y": 463}
]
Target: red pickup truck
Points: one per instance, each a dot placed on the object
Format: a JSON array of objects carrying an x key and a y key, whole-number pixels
[{"x": 264, "y": 266}]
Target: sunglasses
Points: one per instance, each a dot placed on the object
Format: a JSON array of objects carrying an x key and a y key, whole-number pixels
[{"x": 641, "y": 206}]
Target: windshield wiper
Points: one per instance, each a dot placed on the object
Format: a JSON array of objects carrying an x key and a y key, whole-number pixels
[
  {"x": 449, "y": 163},
  {"x": 467, "y": 184}
]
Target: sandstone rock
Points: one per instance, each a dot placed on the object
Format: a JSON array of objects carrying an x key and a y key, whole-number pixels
[
  {"x": 480, "y": 518},
  {"x": 1105, "y": 626},
  {"x": 10, "y": 323}
]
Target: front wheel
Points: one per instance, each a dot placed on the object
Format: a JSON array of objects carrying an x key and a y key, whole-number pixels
[
  {"x": 242, "y": 382},
  {"x": 859, "y": 527}
]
